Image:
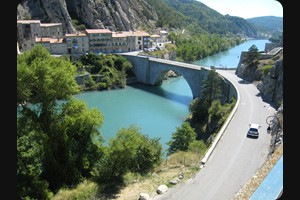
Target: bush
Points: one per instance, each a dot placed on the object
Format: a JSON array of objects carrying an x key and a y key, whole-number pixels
[{"x": 266, "y": 69}]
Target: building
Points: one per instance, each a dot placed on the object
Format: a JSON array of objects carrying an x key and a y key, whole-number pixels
[
  {"x": 53, "y": 45},
  {"x": 77, "y": 43},
  {"x": 31, "y": 31},
  {"x": 119, "y": 42},
  {"x": 164, "y": 36},
  {"x": 51, "y": 30},
  {"x": 137, "y": 40},
  {"x": 45, "y": 42},
  {"x": 100, "y": 40},
  {"x": 50, "y": 35},
  {"x": 155, "y": 40},
  {"x": 28, "y": 29}
]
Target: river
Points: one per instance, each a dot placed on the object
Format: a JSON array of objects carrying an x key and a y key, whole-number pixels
[{"x": 156, "y": 110}]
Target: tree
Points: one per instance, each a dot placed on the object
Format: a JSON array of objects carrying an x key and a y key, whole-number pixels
[
  {"x": 199, "y": 109},
  {"x": 73, "y": 144},
  {"x": 182, "y": 138},
  {"x": 211, "y": 88},
  {"x": 64, "y": 128},
  {"x": 252, "y": 56},
  {"x": 129, "y": 151},
  {"x": 29, "y": 163},
  {"x": 172, "y": 37}
]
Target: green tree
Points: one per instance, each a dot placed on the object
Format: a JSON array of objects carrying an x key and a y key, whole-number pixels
[
  {"x": 129, "y": 151},
  {"x": 252, "y": 56},
  {"x": 172, "y": 37},
  {"x": 199, "y": 109},
  {"x": 29, "y": 162},
  {"x": 211, "y": 88},
  {"x": 73, "y": 144},
  {"x": 65, "y": 129},
  {"x": 182, "y": 138}
]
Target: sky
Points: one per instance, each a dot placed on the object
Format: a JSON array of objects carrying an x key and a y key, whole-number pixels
[{"x": 246, "y": 8}]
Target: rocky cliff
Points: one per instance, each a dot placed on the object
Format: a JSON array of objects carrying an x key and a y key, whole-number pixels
[
  {"x": 271, "y": 85},
  {"x": 270, "y": 82},
  {"x": 117, "y": 15}
]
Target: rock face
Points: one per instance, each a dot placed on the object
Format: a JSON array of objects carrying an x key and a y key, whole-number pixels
[
  {"x": 50, "y": 11},
  {"x": 117, "y": 15},
  {"x": 271, "y": 84}
]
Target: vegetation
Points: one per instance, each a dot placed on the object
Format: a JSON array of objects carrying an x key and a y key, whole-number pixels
[
  {"x": 252, "y": 57},
  {"x": 267, "y": 24},
  {"x": 209, "y": 112},
  {"x": 129, "y": 151},
  {"x": 276, "y": 38},
  {"x": 55, "y": 142},
  {"x": 266, "y": 69},
  {"x": 58, "y": 142},
  {"x": 79, "y": 26},
  {"x": 182, "y": 138},
  {"x": 196, "y": 18},
  {"x": 111, "y": 70},
  {"x": 59, "y": 145},
  {"x": 189, "y": 48}
]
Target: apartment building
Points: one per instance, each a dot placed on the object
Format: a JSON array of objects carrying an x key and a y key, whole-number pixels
[
  {"x": 77, "y": 43},
  {"x": 137, "y": 40},
  {"x": 51, "y": 30},
  {"x": 100, "y": 40},
  {"x": 50, "y": 35},
  {"x": 119, "y": 42},
  {"x": 53, "y": 45},
  {"x": 27, "y": 31}
]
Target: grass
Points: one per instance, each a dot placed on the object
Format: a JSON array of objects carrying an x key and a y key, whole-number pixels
[
  {"x": 85, "y": 190},
  {"x": 134, "y": 184},
  {"x": 185, "y": 162}
]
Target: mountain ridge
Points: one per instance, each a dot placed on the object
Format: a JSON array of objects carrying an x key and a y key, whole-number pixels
[{"x": 132, "y": 15}]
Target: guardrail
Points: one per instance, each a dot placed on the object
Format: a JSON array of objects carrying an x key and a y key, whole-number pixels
[{"x": 219, "y": 135}]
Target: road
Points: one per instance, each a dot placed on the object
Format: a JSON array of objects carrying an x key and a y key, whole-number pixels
[{"x": 235, "y": 158}]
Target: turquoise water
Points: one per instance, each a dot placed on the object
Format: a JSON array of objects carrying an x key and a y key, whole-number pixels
[
  {"x": 157, "y": 110},
  {"x": 231, "y": 57}
]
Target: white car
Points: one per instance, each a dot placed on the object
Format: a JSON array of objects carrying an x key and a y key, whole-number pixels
[{"x": 253, "y": 130}]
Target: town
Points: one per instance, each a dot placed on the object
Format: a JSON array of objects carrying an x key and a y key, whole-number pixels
[{"x": 52, "y": 37}]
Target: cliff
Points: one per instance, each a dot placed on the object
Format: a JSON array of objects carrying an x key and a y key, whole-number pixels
[
  {"x": 269, "y": 81},
  {"x": 125, "y": 15}
]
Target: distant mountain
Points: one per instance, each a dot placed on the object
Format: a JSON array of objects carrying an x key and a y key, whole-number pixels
[
  {"x": 197, "y": 17},
  {"x": 269, "y": 24}
]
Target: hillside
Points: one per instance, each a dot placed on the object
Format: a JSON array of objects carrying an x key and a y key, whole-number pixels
[
  {"x": 269, "y": 24},
  {"x": 210, "y": 20},
  {"x": 133, "y": 15}
]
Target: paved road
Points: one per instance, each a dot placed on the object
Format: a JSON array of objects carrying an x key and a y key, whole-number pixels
[{"x": 236, "y": 158}]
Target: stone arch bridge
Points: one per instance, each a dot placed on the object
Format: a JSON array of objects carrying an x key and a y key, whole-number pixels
[{"x": 152, "y": 71}]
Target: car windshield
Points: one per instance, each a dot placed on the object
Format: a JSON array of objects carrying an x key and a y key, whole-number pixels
[{"x": 253, "y": 129}]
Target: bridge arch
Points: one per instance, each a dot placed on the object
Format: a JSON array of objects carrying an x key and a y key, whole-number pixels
[
  {"x": 151, "y": 71},
  {"x": 193, "y": 74}
]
